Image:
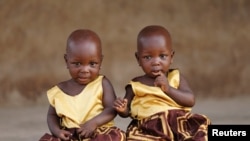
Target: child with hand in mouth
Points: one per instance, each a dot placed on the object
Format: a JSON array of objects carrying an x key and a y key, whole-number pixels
[{"x": 160, "y": 101}]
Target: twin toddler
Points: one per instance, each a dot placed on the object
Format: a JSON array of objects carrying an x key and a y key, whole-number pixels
[{"x": 158, "y": 101}]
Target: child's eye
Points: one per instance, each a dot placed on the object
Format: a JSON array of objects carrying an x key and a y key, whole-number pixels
[
  {"x": 147, "y": 57},
  {"x": 93, "y": 64},
  {"x": 77, "y": 64},
  {"x": 163, "y": 56}
]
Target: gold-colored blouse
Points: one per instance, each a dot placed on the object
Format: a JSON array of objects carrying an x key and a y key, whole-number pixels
[
  {"x": 75, "y": 110},
  {"x": 149, "y": 100}
]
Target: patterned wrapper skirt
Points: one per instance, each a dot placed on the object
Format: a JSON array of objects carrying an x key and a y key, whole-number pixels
[
  {"x": 172, "y": 125},
  {"x": 101, "y": 134}
]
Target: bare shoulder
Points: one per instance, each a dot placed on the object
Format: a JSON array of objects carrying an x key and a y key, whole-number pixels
[
  {"x": 106, "y": 81},
  {"x": 180, "y": 73},
  {"x": 184, "y": 84},
  {"x": 107, "y": 85},
  {"x": 108, "y": 91}
]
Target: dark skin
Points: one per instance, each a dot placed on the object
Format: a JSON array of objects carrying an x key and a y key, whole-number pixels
[
  {"x": 83, "y": 59},
  {"x": 155, "y": 55}
]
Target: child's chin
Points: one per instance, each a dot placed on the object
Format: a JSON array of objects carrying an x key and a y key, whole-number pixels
[
  {"x": 152, "y": 75},
  {"x": 155, "y": 74},
  {"x": 83, "y": 82}
]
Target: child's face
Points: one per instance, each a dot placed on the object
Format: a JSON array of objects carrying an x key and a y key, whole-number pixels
[
  {"x": 154, "y": 55},
  {"x": 83, "y": 61}
]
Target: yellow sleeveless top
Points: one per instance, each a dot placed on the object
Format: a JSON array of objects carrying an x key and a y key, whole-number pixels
[
  {"x": 149, "y": 100},
  {"x": 75, "y": 110}
]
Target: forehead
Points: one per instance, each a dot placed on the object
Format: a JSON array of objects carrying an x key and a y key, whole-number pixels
[
  {"x": 155, "y": 41},
  {"x": 83, "y": 36},
  {"x": 84, "y": 47}
]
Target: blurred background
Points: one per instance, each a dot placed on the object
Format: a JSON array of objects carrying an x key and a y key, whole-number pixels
[{"x": 211, "y": 39}]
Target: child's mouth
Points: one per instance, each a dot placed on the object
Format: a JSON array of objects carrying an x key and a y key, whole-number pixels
[{"x": 156, "y": 73}]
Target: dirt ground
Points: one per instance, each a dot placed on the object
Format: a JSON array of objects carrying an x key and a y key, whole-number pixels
[{"x": 28, "y": 123}]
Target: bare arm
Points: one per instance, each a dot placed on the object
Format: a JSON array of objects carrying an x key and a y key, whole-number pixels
[
  {"x": 183, "y": 95},
  {"x": 122, "y": 106},
  {"x": 53, "y": 120},
  {"x": 108, "y": 98},
  {"x": 54, "y": 125}
]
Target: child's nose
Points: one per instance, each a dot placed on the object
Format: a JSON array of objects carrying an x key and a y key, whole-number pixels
[
  {"x": 84, "y": 69},
  {"x": 156, "y": 61}
]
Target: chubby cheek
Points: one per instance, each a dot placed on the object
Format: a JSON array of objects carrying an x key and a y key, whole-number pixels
[
  {"x": 146, "y": 68},
  {"x": 167, "y": 64},
  {"x": 95, "y": 72},
  {"x": 73, "y": 73}
]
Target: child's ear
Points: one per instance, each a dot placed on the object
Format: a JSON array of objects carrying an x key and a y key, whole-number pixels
[
  {"x": 172, "y": 56},
  {"x": 65, "y": 59},
  {"x": 101, "y": 61},
  {"x": 137, "y": 58}
]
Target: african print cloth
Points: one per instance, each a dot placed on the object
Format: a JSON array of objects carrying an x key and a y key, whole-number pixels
[
  {"x": 101, "y": 134},
  {"x": 172, "y": 125},
  {"x": 157, "y": 117}
]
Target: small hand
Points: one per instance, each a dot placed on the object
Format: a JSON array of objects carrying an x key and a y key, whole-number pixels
[
  {"x": 64, "y": 135},
  {"x": 120, "y": 105},
  {"x": 87, "y": 129},
  {"x": 162, "y": 82}
]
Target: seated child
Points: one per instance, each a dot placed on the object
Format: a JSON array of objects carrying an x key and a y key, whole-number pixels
[
  {"x": 160, "y": 101},
  {"x": 81, "y": 108}
]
